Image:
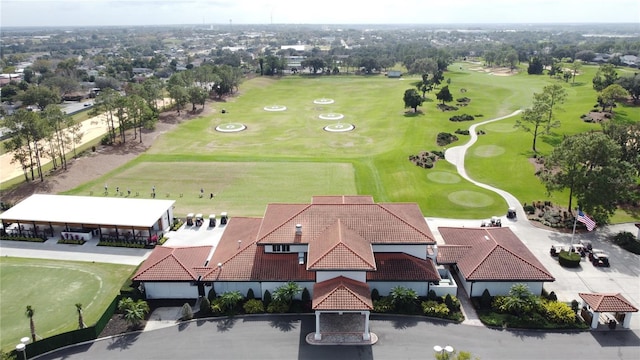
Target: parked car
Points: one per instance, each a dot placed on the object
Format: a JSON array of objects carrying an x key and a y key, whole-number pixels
[{"x": 599, "y": 258}]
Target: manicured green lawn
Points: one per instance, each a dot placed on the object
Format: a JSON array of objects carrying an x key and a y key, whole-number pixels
[
  {"x": 287, "y": 156},
  {"x": 53, "y": 288}
]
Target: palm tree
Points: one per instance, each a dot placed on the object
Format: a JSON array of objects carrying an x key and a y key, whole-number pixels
[
  {"x": 230, "y": 299},
  {"x": 287, "y": 292},
  {"x": 81, "y": 324},
  {"x": 29, "y": 312},
  {"x": 403, "y": 298},
  {"x": 134, "y": 311}
]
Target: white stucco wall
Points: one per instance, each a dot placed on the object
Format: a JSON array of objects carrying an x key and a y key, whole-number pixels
[
  {"x": 272, "y": 286},
  {"x": 243, "y": 287},
  {"x": 419, "y": 251},
  {"x": 499, "y": 288},
  {"x": 170, "y": 290},
  {"x": 384, "y": 287}
]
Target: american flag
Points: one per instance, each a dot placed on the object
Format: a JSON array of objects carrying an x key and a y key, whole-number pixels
[{"x": 583, "y": 218}]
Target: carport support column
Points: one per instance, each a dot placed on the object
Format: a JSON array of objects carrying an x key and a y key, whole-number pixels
[
  {"x": 595, "y": 320},
  {"x": 317, "y": 335},
  {"x": 366, "y": 335},
  {"x": 627, "y": 321}
]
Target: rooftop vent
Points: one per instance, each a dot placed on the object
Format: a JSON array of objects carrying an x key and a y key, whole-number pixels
[{"x": 298, "y": 229}]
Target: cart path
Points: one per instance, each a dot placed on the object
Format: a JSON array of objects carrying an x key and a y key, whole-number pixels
[{"x": 456, "y": 155}]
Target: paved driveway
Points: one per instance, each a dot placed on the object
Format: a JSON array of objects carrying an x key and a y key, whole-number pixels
[{"x": 283, "y": 337}]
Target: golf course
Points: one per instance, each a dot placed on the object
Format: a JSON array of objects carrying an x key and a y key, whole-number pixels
[{"x": 287, "y": 139}]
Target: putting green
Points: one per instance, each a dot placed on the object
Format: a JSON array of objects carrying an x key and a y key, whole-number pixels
[
  {"x": 489, "y": 150},
  {"x": 500, "y": 127},
  {"x": 442, "y": 177},
  {"x": 470, "y": 199}
]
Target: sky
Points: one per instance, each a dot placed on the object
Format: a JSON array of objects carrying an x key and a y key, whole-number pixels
[{"x": 168, "y": 12}]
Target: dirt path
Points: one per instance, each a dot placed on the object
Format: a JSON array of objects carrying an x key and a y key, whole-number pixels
[{"x": 92, "y": 165}]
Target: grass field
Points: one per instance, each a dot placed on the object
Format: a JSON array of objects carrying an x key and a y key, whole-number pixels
[
  {"x": 53, "y": 288},
  {"x": 286, "y": 156}
]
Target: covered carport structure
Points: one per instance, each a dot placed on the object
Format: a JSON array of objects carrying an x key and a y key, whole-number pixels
[{"x": 82, "y": 217}]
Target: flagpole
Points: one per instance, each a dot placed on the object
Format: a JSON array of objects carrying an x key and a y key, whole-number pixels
[{"x": 575, "y": 220}]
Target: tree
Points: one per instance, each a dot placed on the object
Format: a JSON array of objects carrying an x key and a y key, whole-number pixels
[
  {"x": 197, "y": 95},
  {"x": 30, "y": 311},
  {"x": 41, "y": 96},
  {"x": 412, "y": 99},
  {"x": 605, "y": 76},
  {"x": 589, "y": 165},
  {"x": 610, "y": 95},
  {"x": 629, "y": 83},
  {"x": 520, "y": 300},
  {"x": 535, "y": 66},
  {"x": 230, "y": 300},
  {"x": 576, "y": 65},
  {"x": 403, "y": 298},
  {"x": 287, "y": 292},
  {"x": 552, "y": 96},
  {"x": 81, "y": 324},
  {"x": 628, "y": 138},
  {"x": 444, "y": 95},
  {"x": 133, "y": 311},
  {"x": 187, "y": 312}
]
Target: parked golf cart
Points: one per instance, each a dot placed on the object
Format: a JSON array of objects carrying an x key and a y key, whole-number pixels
[
  {"x": 493, "y": 222},
  {"x": 599, "y": 258},
  {"x": 555, "y": 249}
]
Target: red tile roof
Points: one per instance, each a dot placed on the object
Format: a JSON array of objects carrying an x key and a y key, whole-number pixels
[
  {"x": 495, "y": 254},
  {"x": 403, "y": 267},
  {"x": 341, "y": 293},
  {"x": 342, "y": 199},
  {"x": 340, "y": 248},
  {"x": 376, "y": 223},
  {"x": 608, "y": 302},
  {"x": 173, "y": 264}
]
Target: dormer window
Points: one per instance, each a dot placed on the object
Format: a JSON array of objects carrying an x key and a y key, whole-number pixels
[{"x": 281, "y": 248}]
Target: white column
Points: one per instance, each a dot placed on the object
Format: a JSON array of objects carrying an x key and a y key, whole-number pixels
[
  {"x": 627, "y": 320},
  {"x": 595, "y": 320},
  {"x": 366, "y": 335},
  {"x": 317, "y": 335}
]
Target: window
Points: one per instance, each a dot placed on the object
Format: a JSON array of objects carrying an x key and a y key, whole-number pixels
[{"x": 281, "y": 248}]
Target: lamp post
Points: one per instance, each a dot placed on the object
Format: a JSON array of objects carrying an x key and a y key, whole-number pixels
[
  {"x": 22, "y": 347},
  {"x": 439, "y": 349}
]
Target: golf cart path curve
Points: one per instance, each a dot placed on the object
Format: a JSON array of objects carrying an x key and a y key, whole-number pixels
[{"x": 456, "y": 155}]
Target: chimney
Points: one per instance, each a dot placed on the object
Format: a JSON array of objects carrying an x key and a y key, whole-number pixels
[
  {"x": 239, "y": 243},
  {"x": 298, "y": 229}
]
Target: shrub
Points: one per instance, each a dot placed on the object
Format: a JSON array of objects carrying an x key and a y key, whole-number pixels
[
  {"x": 187, "y": 312},
  {"x": 438, "y": 153},
  {"x": 266, "y": 298},
  {"x": 452, "y": 302},
  {"x": 627, "y": 241},
  {"x": 552, "y": 296},
  {"x": 569, "y": 259},
  {"x": 431, "y": 295},
  {"x": 497, "y": 304},
  {"x": 558, "y": 312},
  {"x": 486, "y": 299},
  {"x": 529, "y": 209},
  {"x": 445, "y": 139},
  {"x": 305, "y": 296},
  {"x": 462, "y": 132},
  {"x": 375, "y": 295},
  {"x": 253, "y": 306},
  {"x": 250, "y": 294},
  {"x": 463, "y": 117},
  {"x": 278, "y": 307},
  {"x": 205, "y": 306},
  {"x": 212, "y": 294},
  {"x": 433, "y": 308},
  {"x": 383, "y": 305}
]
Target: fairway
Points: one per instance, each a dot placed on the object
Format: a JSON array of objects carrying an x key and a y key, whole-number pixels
[{"x": 53, "y": 288}]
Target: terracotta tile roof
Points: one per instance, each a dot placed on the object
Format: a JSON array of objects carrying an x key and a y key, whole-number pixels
[
  {"x": 608, "y": 302},
  {"x": 376, "y": 223},
  {"x": 340, "y": 248},
  {"x": 496, "y": 254},
  {"x": 249, "y": 262},
  {"x": 451, "y": 254},
  {"x": 173, "y": 264},
  {"x": 341, "y": 293},
  {"x": 403, "y": 267}
]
